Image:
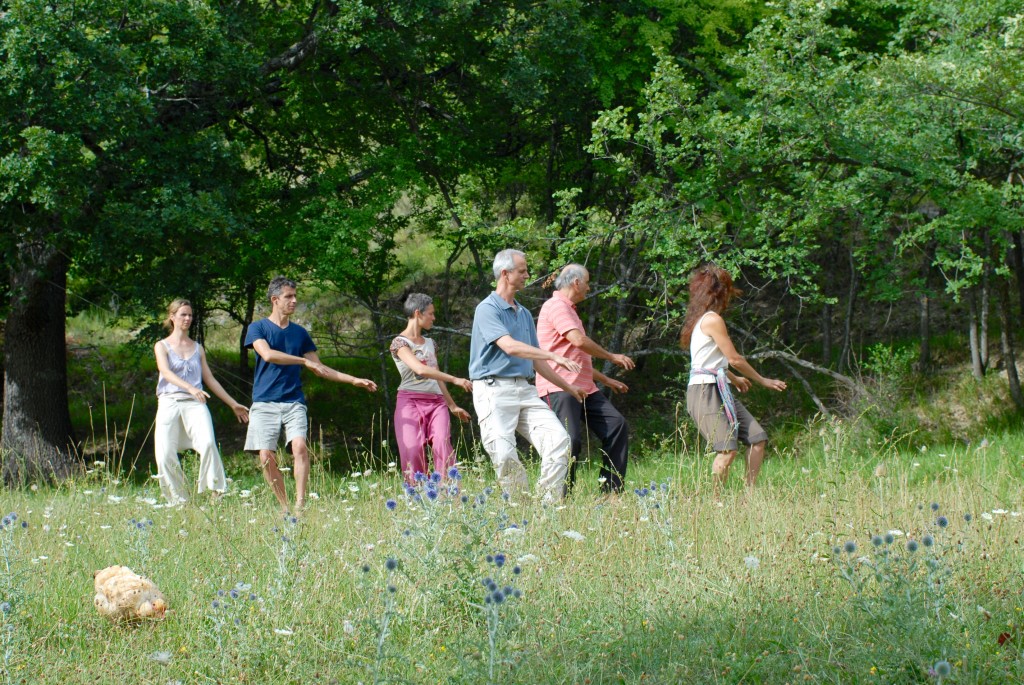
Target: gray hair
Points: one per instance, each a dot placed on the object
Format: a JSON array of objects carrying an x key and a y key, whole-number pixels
[
  {"x": 416, "y": 302},
  {"x": 278, "y": 284},
  {"x": 570, "y": 274},
  {"x": 506, "y": 261}
]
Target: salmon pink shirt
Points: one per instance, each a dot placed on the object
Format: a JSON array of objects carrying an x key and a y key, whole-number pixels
[{"x": 557, "y": 317}]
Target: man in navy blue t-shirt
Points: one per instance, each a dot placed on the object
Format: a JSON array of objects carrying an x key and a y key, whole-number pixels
[{"x": 282, "y": 349}]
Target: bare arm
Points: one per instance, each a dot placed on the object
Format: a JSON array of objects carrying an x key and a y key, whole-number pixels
[
  {"x": 421, "y": 369},
  {"x": 314, "y": 364},
  {"x": 714, "y": 326},
  {"x": 588, "y": 345},
  {"x": 547, "y": 372},
  {"x": 742, "y": 384},
  {"x": 513, "y": 347},
  {"x": 617, "y": 386},
  {"x": 459, "y": 412},
  {"x": 174, "y": 379},
  {"x": 240, "y": 410}
]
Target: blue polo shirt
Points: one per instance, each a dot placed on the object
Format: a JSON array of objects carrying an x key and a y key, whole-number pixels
[
  {"x": 279, "y": 382},
  {"x": 493, "y": 319}
]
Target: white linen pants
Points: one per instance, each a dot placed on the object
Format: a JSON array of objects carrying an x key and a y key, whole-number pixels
[
  {"x": 505, "y": 406},
  {"x": 183, "y": 424}
]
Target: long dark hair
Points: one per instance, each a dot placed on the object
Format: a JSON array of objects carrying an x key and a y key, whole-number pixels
[{"x": 711, "y": 290}]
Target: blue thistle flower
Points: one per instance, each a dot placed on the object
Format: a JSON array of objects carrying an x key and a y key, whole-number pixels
[
  {"x": 517, "y": 593},
  {"x": 498, "y": 597},
  {"x": 490, "y": 559},
  {"x": 221, "y": 593},
  {"x": 876, "y": 540},
  {"x": 24, "y": 524},
  {"x": 391, "y": 564},
  {"x": 911, "y": 546},
  {"x": 664, "y": 487},
  {"x": 505, "y": 496},
  {"x": 942, "y": 668},
  {"x": 252, "y": 596},
  {"x": 410, "y": 490},
  {"x": 464, "y": 499},
  {"x": 365, "y": 568},
  {"x": 488, "y": 490},
  {"x": 435, "y": 477},
  {"x": 935, "y": 506},
  {"x": 836, "y": 549},
  {"x": 234, "y": 594},
  {"x": 5, "y": 607},
  {"x": 968, "y": 517},
  {"x": 517, "y": 570},
  {"x": 499, "y": 559},
  {"x": 850, "y": 546},
  {"x": 419, "y": 477},
  {"x": 216, "y": 604},
  {"x": 928, "y": 540},
  {"x": 432, "y": 495},
  {"x": 14, "y": 516},
  {"x": 481, "y": 499},
  {"x": 942, "y": 521},
  {"x": 391, "y": 504},
  {"x": 392, "y": 588},
  {"x": 406, "y": 532},
  {"x": 453, "y": 473},
  {"x": 889, "y": 538}
]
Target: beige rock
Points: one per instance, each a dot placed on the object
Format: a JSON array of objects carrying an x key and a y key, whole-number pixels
[{"x": 123, "y": 595}]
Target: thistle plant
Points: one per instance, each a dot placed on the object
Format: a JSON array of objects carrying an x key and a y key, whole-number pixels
[
  {"x": 232, "y": 622},
  {"x": 499, "y": 591},
  {"x": 139, "y": 531},
  {"x": 12, "y": 594},
  {"x": 391, "y": 565}
]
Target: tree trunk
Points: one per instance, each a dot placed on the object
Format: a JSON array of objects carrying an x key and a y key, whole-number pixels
[
  {"x": 977, "y": 368},
  {"x": 1006, "y": 344},
  {"x": 924, "y": 358},
  {"x": 986, "y": 285},
  {"x": 37, "y": 437},
  {"x": 1017, "y": 262},
  {"x": 851, "y": 299},
  {"x": 826, "y": 335},
  {"x": 247, "y": 316}
]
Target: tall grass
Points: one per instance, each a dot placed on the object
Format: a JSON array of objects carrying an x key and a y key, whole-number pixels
[{"x": 668, "y": 585}]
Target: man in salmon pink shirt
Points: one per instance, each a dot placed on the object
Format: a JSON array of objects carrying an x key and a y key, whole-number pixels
[{"x": 560, "y": 330}]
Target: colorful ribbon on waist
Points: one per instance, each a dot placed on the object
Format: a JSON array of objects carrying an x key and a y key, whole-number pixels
[{"x": 722, "y": 381}]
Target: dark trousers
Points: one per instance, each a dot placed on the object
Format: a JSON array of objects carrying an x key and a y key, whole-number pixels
[{"x": 606, "y": 422}]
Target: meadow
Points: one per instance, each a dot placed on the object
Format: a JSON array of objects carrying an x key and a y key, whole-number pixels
[{"x": 899, "y": 567}]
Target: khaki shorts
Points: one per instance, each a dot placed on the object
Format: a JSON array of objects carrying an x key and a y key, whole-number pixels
[
  {"x": 705, "y": 407},
  {"x": 266, "y": 419}
]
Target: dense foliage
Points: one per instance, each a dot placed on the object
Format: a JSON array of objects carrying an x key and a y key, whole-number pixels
[{"x": 844, "y": 158}]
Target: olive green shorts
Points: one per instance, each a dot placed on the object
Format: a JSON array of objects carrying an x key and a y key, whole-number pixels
[{"x": 705, "y": 407}]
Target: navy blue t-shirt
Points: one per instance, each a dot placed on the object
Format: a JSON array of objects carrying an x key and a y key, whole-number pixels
[{"x": 279, "y": 382}]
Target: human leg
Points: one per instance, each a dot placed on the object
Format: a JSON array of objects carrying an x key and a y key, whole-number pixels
[
  {"x": 755, "y": 457},
  {"x": 497, "y": 410},
  {"x": 166, "y": 436},
  {"x": 569, "y": 411},
  {"x": 265, "y": 420},
  {"x": 410, "y": 436},
  {"x": 705, "y": 407},
  {"x": 199, "y": 426},
  {"x": 438, "y": 429},
  {"x": 610, "y": 427},
  {"x": 547, "y": 435},
  {"x": 300, "y": 464}
]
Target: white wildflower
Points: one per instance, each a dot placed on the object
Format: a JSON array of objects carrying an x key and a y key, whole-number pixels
[
  {"x": 987, "y": 516},
  {"x": 348, "y": 627},
  {"x": 314, "y": 495},
  {"x": 512, "y": 531},
  {"x": 574, "y": 535},
  {"x": 284, "y": 631},
  {"x": 999, "y": 512},
  {"x": 896, "y": 532},
  {"x": 752, "y": 562},
  {"x": 161, "y": 657}
]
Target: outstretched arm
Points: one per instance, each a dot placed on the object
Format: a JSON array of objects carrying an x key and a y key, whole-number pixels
[
  {"x": 240, "y": 410},
  {"x": 588, "y": 345},
  {"x": 617, "y": 386},
  {"x": 421, "y": 369},
  {"x": 313, "y": 363},
  {"x": 513, "y": 347},
  {"x": 714, "y": 326}
]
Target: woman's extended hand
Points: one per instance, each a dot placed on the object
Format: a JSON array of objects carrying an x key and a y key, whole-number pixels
[
  {"x": 241, "y": 413},
  {"x": 199, "y": 395},
  {"x": 774, "y": 384}
]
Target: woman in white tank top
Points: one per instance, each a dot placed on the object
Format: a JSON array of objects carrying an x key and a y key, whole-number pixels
[
  {"x": 183, "y": 420},
  {"x": 721, "y": 418}
]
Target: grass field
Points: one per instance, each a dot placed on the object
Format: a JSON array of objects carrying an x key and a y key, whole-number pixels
[{"x": 660, "y": 585}]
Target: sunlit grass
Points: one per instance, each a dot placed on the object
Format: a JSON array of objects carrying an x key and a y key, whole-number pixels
[{"x": 671, "y": 586}]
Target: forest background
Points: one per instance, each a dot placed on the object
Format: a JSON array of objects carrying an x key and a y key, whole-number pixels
[{"x": 855, "y": 163}]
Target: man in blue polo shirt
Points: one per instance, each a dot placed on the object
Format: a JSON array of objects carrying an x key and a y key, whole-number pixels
[
  {"x": 503, "y": 356},
  {"x": 282, "y": 349}
]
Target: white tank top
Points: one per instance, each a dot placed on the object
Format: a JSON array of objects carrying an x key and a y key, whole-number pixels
[{"x": 704, "y": 354}]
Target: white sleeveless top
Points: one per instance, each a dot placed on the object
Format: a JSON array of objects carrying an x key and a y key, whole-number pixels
[
  {"x": 704, "y": 354},
  {"x": 189, "y": 370},
  {"x": 424, "y": 353}
]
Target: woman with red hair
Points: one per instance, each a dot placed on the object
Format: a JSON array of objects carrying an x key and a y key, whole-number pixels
[{"x": 721, "y": 419}]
